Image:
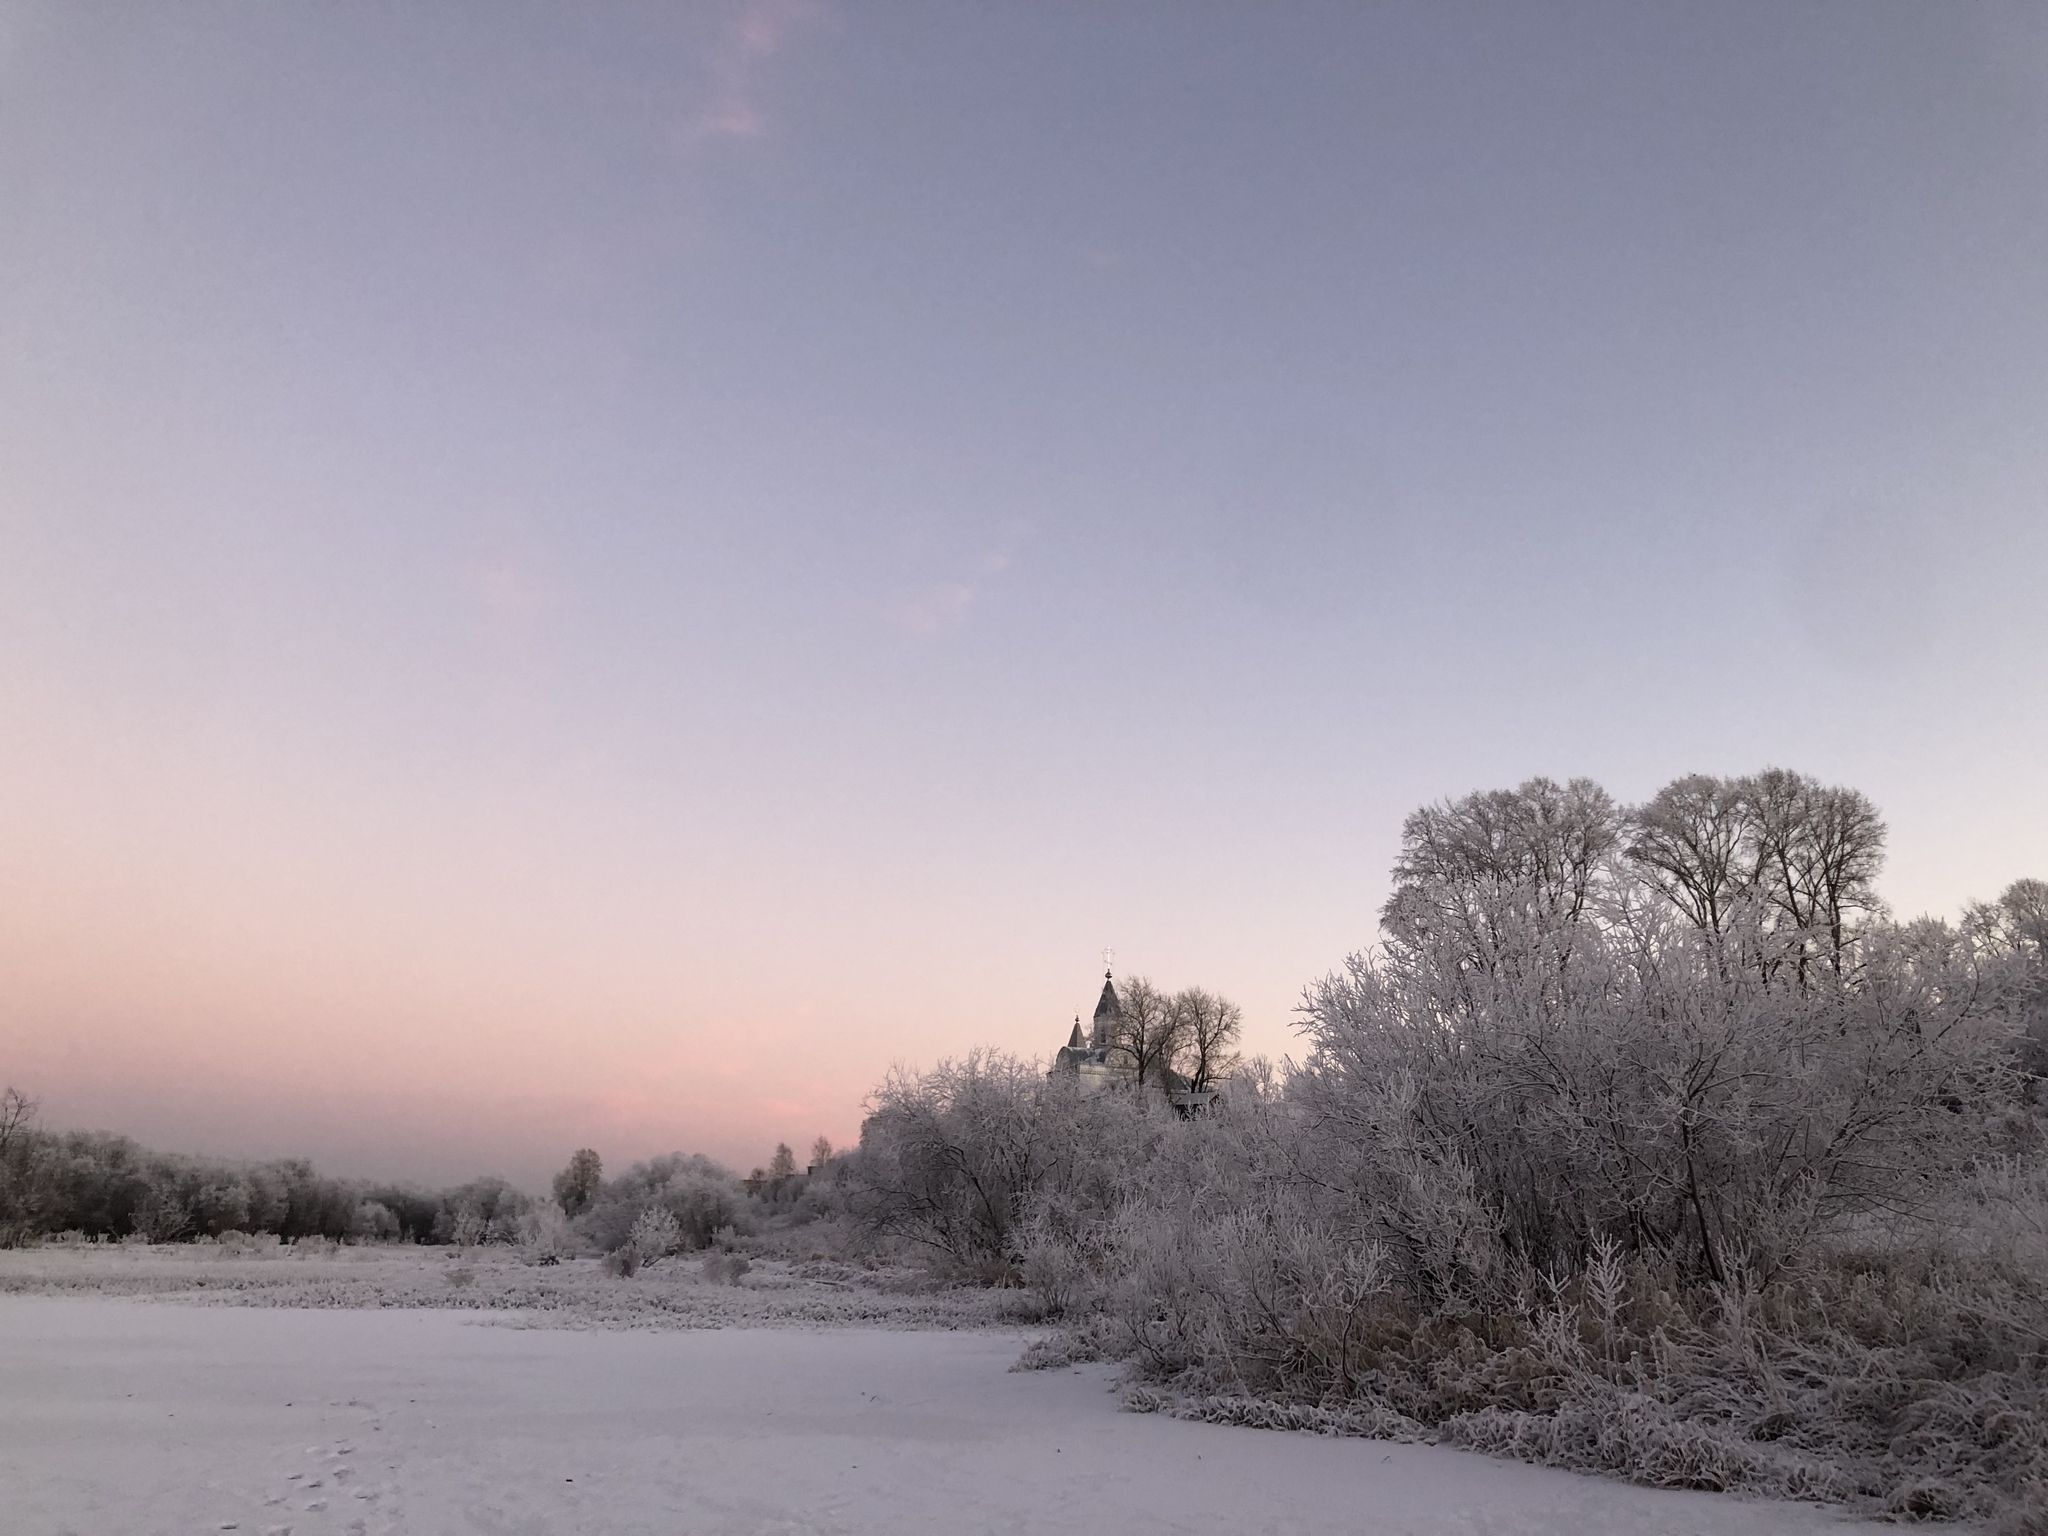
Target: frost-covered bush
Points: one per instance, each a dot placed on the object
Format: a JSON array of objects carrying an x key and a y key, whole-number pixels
[
  {"x": 656, "y": 1234},
  {"x": 487, "y": 1210},
  {"x": 545, "y": 1235},
  {"x": 961, "y": 1160},
  {"x": 701, "y": 1195},
  {"x": 726, "y": 1268},
  {"x": 1642, "y": 1143}
]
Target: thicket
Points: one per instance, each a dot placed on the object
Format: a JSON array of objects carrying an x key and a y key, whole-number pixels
[
  {"x": 1645, "y": 1140},
  {"x": 676, "y": 1203}
]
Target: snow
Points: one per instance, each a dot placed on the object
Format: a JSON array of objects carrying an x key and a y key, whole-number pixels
[
  {"x": 145, "y": 1415},
  {"x": 672, "y": 1293}
]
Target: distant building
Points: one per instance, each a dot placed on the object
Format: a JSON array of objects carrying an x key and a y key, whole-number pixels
[{"x": 1100, "y": 1060}]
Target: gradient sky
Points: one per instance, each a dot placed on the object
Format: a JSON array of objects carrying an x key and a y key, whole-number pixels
[{"x": 600, "y": 574}]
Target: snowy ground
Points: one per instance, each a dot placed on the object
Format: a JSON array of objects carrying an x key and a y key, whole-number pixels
[{"x": 123, "y": 1414}]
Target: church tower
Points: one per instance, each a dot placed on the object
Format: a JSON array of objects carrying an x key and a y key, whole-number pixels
[
  {"x": 1109, "y": 1016},
  {"x": 1096, "y": 1057}
]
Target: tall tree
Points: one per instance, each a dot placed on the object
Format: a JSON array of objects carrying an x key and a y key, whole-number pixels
[
  {"x": 576, "y": 1186},
  {"x": 2016, "y": 927},
  {"x": 21, "y": 1145},
  {"x": 1820, "y": 849},
  {"x": 1695, "y": 843},
  {"x": 1148, "y": 1032},
  {"x": 1475, "y": 874},
  {"x": 1207, "y": 1028}
]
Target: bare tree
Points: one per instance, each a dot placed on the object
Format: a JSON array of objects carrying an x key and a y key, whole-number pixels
[
  {"x": 1206, "y": 1028},
  {"x": 821, "y": 1152},
  {"x": 1695, "y": 843},
  {"x": 1820, "y": 849},
  {"x": 18, "y": 1113},
  {"x": 21, "y": 1145},
  {"x": 783, "y": 1163},
  {"x": 1149, "y": 1029}
]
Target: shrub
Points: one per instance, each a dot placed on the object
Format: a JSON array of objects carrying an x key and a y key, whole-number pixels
[
  {"x": 726, "y": 1268},
  {"x": 655, "y": 1235},
  {"x": 545, "y": 1236},
  {"x": 486, "y": 1210}
]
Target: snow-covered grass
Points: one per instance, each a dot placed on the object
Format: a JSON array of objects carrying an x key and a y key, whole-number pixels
[
  {"x": 132, "y": 1415},
  {"x": 673, "y": 1293}
]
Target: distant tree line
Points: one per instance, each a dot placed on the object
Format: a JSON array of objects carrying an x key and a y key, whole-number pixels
[{"x": 106, "y": 1186}]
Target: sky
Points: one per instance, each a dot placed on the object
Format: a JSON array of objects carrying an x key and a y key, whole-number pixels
[{"x": 604, "y": 575}]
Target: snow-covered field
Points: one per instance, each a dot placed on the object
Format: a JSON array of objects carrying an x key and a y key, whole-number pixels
[
  {"x": 573, "y": 1294},
  {"x": 326, "y": 1408}
]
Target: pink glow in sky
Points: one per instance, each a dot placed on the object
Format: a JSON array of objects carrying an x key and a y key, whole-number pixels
[{"x": 600, "y": 575}]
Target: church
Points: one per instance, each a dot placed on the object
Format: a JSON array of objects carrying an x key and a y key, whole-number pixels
[{"x": 1100, "y": 1060}]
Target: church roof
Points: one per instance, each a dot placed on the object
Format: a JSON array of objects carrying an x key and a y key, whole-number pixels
[
  {"x": 1108, "y": 1006},
  {"x": 1077, "y": 1041}
]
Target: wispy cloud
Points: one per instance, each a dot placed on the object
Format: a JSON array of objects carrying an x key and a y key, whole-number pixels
[
  {"x": 948, "y": 604},
  {"x": 941, "y": 607},
  {"x": 732, "y": 109}
]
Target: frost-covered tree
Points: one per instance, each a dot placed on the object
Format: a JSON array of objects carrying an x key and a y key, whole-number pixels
[
  {"x": 951, "y": 1160},
  {"x": 783, "y": 1163},
  {"x": 1474, "y": 873},
  {"x": 2016, "y": 927}
]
